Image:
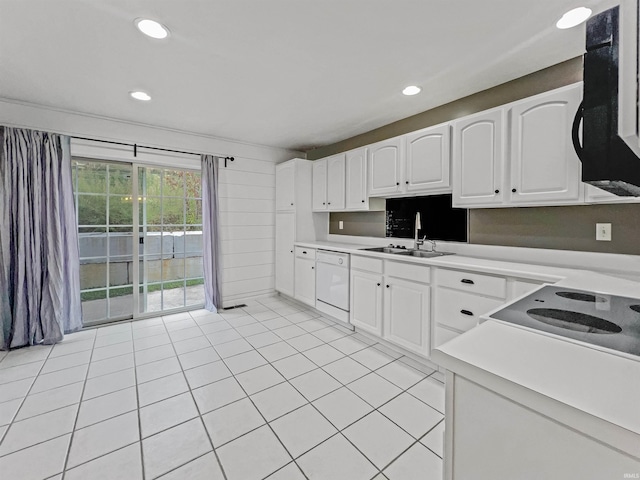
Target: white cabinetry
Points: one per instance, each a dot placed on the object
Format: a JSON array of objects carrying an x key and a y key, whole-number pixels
[
  {"x": 385, "y": 167},
  {"x": 294, "y": 220},
  {"x": 427, "y": 160},
  {"x": 478, "y": 156},
  {"x": 319, "y": 202},
  {"x": 401, "y": 314},
  {"x": 285, "y": 237},
  {"x": 335, "y": 182},
  {"x": 461, "y": 297},
  {"x": 539, "y": 168},
  {"x": 356, "y": 184},
  {"x": 491, "y": 436},
  {"x": 406, "y": 314},
  {"x": 305, "y": 275},
  {"x": 544, "y": 164},
  {"x": 285, "y": 187}
]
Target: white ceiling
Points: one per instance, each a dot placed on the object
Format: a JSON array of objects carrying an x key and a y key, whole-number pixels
[{"x": 289, "y": 73}]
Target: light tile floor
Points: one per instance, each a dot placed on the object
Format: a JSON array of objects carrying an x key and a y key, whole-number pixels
[{"x": 271, "y": 390}]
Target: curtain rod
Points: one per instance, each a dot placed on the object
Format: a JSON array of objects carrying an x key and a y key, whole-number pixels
[{"x": 136, "y": 146}]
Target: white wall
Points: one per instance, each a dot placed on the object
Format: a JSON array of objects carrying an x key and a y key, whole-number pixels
[
  {"x": 247, "y": 185},
  {"x": 247, "y": 219}
]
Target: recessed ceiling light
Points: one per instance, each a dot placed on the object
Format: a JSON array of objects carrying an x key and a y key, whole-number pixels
[
  {"x": 573, "y": 17},
  {"x": 138, "y": 95},
  {"x": 411, "y": 90},
  {"x": 152, "y": 28}
]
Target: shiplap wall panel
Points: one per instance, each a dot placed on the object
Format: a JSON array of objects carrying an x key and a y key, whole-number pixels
[{"x": 247, "y": 222}]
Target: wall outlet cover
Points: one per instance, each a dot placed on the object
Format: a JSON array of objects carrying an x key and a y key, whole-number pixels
[{"x": 340, "y": 224}]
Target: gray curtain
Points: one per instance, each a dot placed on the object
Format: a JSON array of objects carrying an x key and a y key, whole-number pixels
[
  {"x": 39, "y": 261},
  {"x": 211, "y": 234}
]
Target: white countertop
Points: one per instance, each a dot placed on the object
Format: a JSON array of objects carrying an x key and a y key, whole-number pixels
[{"x": 594, "y": 382}]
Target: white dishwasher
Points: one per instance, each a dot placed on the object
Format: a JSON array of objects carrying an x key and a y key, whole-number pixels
[{"x": 332, "y": 284}]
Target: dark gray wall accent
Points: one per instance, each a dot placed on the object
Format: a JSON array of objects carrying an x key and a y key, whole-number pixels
[
  {"x": 559, "y": 228},
  {"x": 362, "y": 224},
  {"x": 555, "y": 76}
]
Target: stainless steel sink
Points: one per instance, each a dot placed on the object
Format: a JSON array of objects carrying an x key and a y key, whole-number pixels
[
  {"x": 424, "y": 254},
  {"x": 385, "y": 250}
]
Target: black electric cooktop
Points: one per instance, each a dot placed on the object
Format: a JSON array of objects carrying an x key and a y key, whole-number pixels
[{"x": 608, "y": 321}]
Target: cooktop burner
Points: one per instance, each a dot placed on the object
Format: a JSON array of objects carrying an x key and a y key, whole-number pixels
[{"x": 605, "y": 320}]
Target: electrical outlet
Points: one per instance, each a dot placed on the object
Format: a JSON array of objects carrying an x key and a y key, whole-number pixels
[
  {"x": 340, "y": 224},
  {"x": 603, "y": 232}
]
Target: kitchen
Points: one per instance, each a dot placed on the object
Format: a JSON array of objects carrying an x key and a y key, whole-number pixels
[{"x": 402, "y": 258}]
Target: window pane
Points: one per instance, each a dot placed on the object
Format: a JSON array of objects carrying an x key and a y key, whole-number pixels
[
  {"x": 150, "y": 211},
  {"x": 94, "y": 306},
  {"x": 193, "y": 184},
  {"x": 194, "y": 211},
  {"x": 92, "y": 177},
  {"x": 195, "y": 292},
  {"x": 153, "y": 300},
  {"x": 92, "y": 210},
  {"x": 149, "y": 181},
  {"x": 173, "y": 295},
  {"x": 173, "y": 183},
  {"x": 120, "y": 210},
  {"x": 93, "y": 274},
  {"x": 120, "y": 179},
  {"x": 173, "y": 211}
]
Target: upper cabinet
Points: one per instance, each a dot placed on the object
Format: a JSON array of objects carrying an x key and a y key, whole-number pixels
[
  {"x": 385, "y": 167},
  {"x": 285, "y": 187},
  {"x": 519, "y": 154},
  {"x": 478, "y": 155},
  {"x": 356, "y": 183},
  {"x": 427, "y": 159},
  {"x": 319, "y": 188},
  {"x": 335, "y": 182},
  {"x": 412, "y": 164},
  {"x": 544, "y": 164}
]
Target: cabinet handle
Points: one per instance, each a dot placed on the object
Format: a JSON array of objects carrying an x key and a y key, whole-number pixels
[
  {"x": 466, "y": 312},
  {"x": 328, "y": 203},
  {"x": 467, "y": 281},
  {"x": 362, "y": 201},
  {"x": 312, "y": 268},
  {"x": 407, "y": 182},
  {"x": 304, "y": 251},
  {"x": 378, "y": 284},
  {"x": 323, "y": 203},
  {"x": 497, "y": 191},
  {"x": 292, "y": 204},
  {"x": 397, "y": 183},
  {"x": 513, "y": 190},
  {"x": 291, "y": 251},
  {"x": 387, "y": 286}
]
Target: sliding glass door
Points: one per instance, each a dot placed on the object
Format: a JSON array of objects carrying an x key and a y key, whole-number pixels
[{"x": 154, "y": 209}]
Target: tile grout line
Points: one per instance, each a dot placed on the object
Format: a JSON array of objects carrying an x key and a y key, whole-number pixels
[
  {"x": 75, "y": 422},
  {"x": 24, "y": 398},
  {"x": 193, "y": 399}
]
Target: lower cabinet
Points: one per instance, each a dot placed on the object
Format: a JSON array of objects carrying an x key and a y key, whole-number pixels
[
  {"x": 305, "y": 275},
  {"x": 366, "y": 301},
  {"x": 406, "y": 314},
  {"x": 396, "y": 309}
]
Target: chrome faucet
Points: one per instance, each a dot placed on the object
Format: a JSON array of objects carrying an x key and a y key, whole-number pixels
[{"x": 418, "y": 242}]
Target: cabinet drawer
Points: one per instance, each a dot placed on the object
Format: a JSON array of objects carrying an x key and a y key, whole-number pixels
[
  {"x": 461, "y": 310},
  {"x": 367, "y": 264},
  {"x": 408, "y": 271},
  {"x": 473, "y": 282},
  {"x": 443, "y": 335},
  {"x": 303, "y": 252}
]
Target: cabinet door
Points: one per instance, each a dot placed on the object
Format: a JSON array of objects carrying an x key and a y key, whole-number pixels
[
  {"x": 428, "y": 158},
  {"x": 285, "y": 184},
  {"x": 285, "y": 236},
  {"x": 384, "y": 167},
  {"x": 305, "y": 281},
  {"x": 319, "y": 202},
  {"x": 406, "y": 315},
  {"x": 544, "y": 164},
  {"x": 356, "y": 184},
  {"x": 366, "y": 301},
  {"x": 478, "y": 153},
  {"x": 335, "y": 182}
]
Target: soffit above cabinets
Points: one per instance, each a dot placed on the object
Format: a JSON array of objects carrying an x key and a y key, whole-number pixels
[{"x": 281, "y": 73}]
